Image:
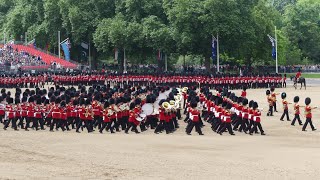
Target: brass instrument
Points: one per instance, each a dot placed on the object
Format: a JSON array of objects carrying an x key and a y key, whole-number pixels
[
  {"x": 116, "y": 108},
  {"x": 87, "y": 113},
  {"x": 166, "y": 106},
  {"x": 184, "y": 90}
]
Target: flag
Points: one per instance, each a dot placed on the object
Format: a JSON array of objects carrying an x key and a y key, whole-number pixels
[
  {"x": 214, "y": 44},
  {"x": 66, "y": 49},
  {"x": 85, "y": 45},
  {"x": 84, "y": 48},
  {"x": 273, "y": 42}
]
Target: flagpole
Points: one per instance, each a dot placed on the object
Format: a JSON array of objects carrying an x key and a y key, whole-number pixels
[
  {"x": 166, "y": 61},
  {"x": 218, "y": 56},
  {"x": 89, "y": 54},
  {"x": 124, "y": 60},
  {"x": 26, "y": 38},
  {"x": 59, "y": 44},
  {"x": 275, "y": 31}
]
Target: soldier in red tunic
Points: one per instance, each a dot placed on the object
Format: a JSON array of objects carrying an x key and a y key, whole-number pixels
[
  {"x": 308, "y": 115},
  {"x": 107, "y": 112},
  {"x": 285, "y": 107},
  {"x": 132, "y": 119},
  {"x": 10, "y": 109},
  {"x": 195, "y": 119},
  {"x": 227, "y": 120},
  {"x": 296, "y": 108},
  {"x": 256, "y": 119}
]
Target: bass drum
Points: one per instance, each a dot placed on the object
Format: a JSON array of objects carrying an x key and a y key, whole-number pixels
[
  {"x": 147, "y": 109},
  {"x": 162, "y": 96}
]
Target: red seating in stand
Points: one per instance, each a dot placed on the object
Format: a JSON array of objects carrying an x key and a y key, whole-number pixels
[{"x": 47, "y": 58}]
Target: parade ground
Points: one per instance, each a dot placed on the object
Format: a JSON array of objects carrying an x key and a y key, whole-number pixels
[{"x": 284, "y": 153}]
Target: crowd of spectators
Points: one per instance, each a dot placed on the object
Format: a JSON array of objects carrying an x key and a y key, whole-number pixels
[{"x": 11, "y": 57}]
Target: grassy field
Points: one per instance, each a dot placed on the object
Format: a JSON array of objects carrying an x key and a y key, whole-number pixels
[{"x": 305, "y": 75}]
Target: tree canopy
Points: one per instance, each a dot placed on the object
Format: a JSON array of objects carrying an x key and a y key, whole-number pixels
[{"x": 173, "y": 27}]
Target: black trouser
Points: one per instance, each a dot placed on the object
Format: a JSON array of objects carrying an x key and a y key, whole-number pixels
[
  {"x": 1, "y": 118},
  {"x": 20, "y": 122},
  {"x": 308, "y": 121},
  {"x": 285, "y": 113},
  {"x": 275, "y": 106},
  {"x": 106, "y": 125},
  {"x": 175, "y": 122},
  {"x": 162, "y": 125},
  {"x": 61, "y": 124},
  {"x": 227, "y": 125},
  {"x": 251, "y": 126},
  {"x": 270, "y": 112},
  {"x": 28, "y": 120},
  {"x": 296, "y": 117},
  {"x": 133, "y": 126},
  {"x": 98, "y": 121},
  {"x": 14, "y": 125},
  {"x": 244, "y": 124},
  {"x": 54, "y": 122},
  {"x": 257, "y": 124},
  {"x": 196, "y": 125},
  {"x": 178, "y": 113},
  {"x": 40, "y": 121}
]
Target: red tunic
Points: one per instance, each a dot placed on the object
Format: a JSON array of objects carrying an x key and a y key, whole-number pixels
[{"x": 308, "y": 112}]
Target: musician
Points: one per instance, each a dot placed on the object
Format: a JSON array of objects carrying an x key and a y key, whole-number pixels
[
  {"x": 88, "y": 116},
  {"x": 132, "y": 119},
  {"x": 30, "y": 112},
  {"x": 296, "y": 108},
  {"x": 257, "y": 119},
  {"x": 107, "y": 112},
  {"x": 163, "y": 108},
  {"x": 270, "y": 102},
  {"x": 38, "y": 115},
  {"x": 10, "y": 108},
  {"x": 285, "y": 107},
  {"x": 274, "y": 98},
  {"x": 81, "y": 114},
  {"x": 97, "y": 112},
  {"x": 113, "y": 117},
  {"x": 195, "y": 119},
  {"x": 308, "y": 115},
  {"x": 63, "y": 124},
  {"x": 56, "y": 114}
]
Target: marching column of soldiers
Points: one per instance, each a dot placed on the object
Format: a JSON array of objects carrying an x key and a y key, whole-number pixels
[{"x": 228, "y": 80}]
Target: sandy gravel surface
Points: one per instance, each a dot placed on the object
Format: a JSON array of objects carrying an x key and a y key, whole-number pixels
[{"x": 285, "y": 153}]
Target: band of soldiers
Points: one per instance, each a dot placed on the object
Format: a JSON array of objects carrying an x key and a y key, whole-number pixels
[{"x": 127, "y": 107}]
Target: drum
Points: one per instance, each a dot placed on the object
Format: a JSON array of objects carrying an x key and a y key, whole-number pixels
[
  {"x": 147, "y": 109},
  {"x": 162, "y": 96},
  {"x": 141, "y": 117}
]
